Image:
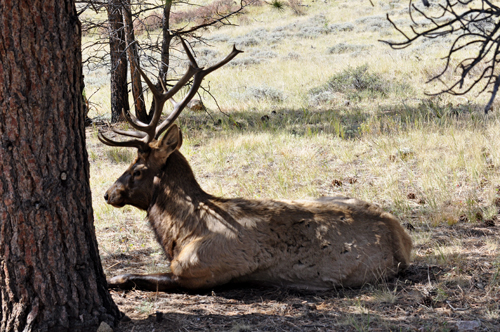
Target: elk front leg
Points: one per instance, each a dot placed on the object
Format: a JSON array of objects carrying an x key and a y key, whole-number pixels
[{"x": 163, "y": 282}]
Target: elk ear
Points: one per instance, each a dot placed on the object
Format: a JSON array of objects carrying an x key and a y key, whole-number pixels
[{"x": 171, "y": 141}]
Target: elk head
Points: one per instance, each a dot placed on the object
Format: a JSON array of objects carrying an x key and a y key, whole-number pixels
[{"x": 134, "y": 186}]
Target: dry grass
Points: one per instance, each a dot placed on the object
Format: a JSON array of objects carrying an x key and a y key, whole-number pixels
[{"x": 433, "y": 162}]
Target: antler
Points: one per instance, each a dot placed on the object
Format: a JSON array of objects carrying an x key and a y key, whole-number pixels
[{"x": 145, "y": 133}]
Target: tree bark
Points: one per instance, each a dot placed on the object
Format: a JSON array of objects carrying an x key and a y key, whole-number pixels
[
  {"x": 117, "y": 47},
  {"x": 133, "y": 57},
  {"x": 167, "y": 39},
  {"x": 51, "y": 277},
  {"x": 165, "y": 50}
]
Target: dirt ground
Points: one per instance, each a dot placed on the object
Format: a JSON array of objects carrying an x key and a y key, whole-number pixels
[{"x": 458, "y": 293}]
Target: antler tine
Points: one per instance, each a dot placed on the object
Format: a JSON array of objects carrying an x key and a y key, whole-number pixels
[
  {"x": 152, "y": 130},
  {"x": 160, "y": 99},
  {"x": 230, "y": 57},
  {"x": 162, "y": 84},
  {"x": 190, "y": 56},
  {"x": 129, "y": 133},
  {"x": 135, "y": 143},
  {"x": 193, "y": 69},
  {"x": 147, "y": 132},
  {"x": 198, "y": 77}
]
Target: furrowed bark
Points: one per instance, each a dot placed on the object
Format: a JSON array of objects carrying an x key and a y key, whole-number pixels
[
  {"x": 51, "y": 277},
  {"x": 133, "y": 56},
  {"x": 117, "y": 46}
]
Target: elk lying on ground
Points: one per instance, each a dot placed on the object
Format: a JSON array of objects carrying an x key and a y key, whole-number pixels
[{"x": 211, "y": 241}]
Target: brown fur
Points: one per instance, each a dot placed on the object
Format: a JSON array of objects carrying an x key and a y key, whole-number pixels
[{"x": 210, "y": 241}]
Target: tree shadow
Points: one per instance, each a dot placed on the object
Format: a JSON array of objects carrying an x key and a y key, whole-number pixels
[
  {"x": 250, "y": 308},
  {"x": 345, "y": 121},
  {"x": 424, "y": 296}
]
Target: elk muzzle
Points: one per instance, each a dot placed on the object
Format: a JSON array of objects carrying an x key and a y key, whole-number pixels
[{"x": 116, "y": 195}]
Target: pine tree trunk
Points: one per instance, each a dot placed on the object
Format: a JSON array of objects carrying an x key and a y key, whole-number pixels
[
  {"x": 165, "y": 49},
  {"x": 117, "y": 46},
  {"x": 133, "y": 56},
  {"x": 51, "y": 277},
  {"x": 167, "y": 39}
]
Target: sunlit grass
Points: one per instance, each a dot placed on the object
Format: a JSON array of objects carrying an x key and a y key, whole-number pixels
[{"x": 428, "y": 160}]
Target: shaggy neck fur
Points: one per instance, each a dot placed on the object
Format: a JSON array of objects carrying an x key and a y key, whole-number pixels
[{"x": 177, "y": 197}]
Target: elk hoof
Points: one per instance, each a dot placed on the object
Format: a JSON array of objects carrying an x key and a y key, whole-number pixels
[{"x": 122, "y": 281}]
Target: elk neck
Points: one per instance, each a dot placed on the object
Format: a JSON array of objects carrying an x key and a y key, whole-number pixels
[
  {"x": 177, "y": 194},
  {"x": 176, "y": 184}
]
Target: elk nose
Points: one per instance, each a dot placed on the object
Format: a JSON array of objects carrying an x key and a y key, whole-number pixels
[{"x": 106, "y": 197}]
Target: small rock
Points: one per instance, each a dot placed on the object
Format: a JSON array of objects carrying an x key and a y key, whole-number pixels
[
  {"x": 195, "y": 105},
  {"x": 471, "y": 325},
  {"x": 104, "y": 327}
]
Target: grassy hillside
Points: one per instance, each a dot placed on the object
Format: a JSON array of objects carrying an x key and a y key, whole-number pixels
[{"x": 317, "y": 106}]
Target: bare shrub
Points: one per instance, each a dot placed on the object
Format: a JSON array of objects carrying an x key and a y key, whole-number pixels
[
  {"x": 277, "y": 36},
  {"x": 206, "y": 56},
  {"x": 246, "y": 41},
  {"x": 341, "y": 27},
  {"x": 292, "y": 56},
  {"x": 201, "y": 14},
  {"x": 103, "y": 30},
  {"x": 253, "y": 38},
  {"x": 373, "y": 23},
  {"x": 220, "y": 38},
  {"x": 206, "y": 52},
  {"x": 322, "y": 98},
  {"x": 264, "y": 54},
  {"x": 266, "y": 92},
  {"x": 149, "y": 23},
  {"x": 311, "y": 28},
  {"x": 243, "y": 20},
  {"x": 253, "y": 58},
  {"x": 318, "y": 20},
  {"x": 244, "y": 61},
  {"x": 359, "y": 79},
  {"x": 312, "y": 31},
  {"x": 342, "y": 48},
  {"x": 257, "y": 3},
  {"x": 356, "y": 83},
  {"x": 260, "y": 93},
  {"x": 296, "y": 6}
]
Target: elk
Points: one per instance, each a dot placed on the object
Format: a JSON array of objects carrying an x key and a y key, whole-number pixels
[{"x": 210, "y": 241}]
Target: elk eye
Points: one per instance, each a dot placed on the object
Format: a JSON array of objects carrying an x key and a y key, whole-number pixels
[{"x": 136, "y": 174}]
